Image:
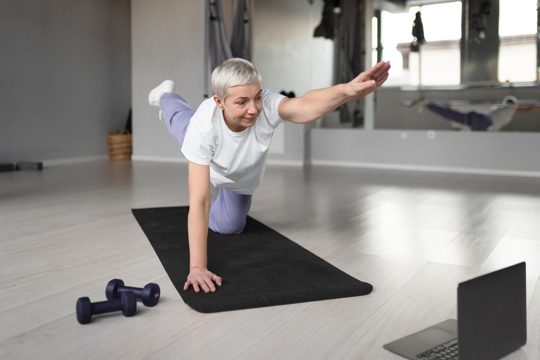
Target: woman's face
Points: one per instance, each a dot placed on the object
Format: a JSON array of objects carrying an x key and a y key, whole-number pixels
[{"x": 242, "y": 106}]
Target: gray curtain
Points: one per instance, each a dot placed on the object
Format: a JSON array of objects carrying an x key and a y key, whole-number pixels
[
  {"x": 351, "y": 44},
  {"x": 218, "y": 45},
  {"x": 241, "y": 36},
  {"x": 349, "y": 50}
]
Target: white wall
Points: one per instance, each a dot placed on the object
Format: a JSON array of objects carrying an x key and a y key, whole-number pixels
[
  {"x": 290, "y": 58},
  {"x": 168, "y": 40},
  {"x": 167, "y": 43}
]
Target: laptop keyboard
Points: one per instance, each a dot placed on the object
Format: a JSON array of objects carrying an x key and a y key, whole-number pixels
[{"x": 445, "y": 351}]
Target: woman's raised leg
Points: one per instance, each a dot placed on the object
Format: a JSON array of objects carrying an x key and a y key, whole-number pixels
[{"x": 175, "y": 112}]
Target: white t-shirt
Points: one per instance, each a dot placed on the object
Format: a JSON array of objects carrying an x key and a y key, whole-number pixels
[
  {"x": 236, "y": 159},
  {"x": 502, "y": 114}
]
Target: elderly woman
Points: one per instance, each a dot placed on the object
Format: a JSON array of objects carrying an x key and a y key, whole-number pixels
[{"x": 226, "y": 141}]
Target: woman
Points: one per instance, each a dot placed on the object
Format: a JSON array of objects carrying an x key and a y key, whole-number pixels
[{"x": 226, "y": 141}]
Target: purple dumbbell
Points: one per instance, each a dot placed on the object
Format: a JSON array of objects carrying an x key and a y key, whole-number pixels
[
  {"x": 149, "y": 294},
  {"x": 85, "y": 309}
]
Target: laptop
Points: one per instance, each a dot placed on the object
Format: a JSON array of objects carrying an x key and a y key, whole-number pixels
[{"x": 492, "y": 321}]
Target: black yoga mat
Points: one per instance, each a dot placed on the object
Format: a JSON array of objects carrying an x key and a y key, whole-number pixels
[{"x": 259, "y": 267}]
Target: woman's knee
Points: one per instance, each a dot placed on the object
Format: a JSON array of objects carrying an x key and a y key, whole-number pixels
[
  {"x": 228, "y": 225},
  {"x": 229, "y": 212}
]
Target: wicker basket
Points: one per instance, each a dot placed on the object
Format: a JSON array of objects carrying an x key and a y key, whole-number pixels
[{"x": 119, "y": 145}]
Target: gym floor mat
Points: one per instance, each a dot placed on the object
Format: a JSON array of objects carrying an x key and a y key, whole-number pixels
[{"x": 259, "y": 267}]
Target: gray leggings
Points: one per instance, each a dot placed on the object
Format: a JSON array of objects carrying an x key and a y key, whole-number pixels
[{"x": 228, "y": 210}]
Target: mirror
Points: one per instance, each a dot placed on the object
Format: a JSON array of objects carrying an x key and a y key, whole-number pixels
[{"x": 499, "y": 58}]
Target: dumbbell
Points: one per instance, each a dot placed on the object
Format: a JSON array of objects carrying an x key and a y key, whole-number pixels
[
  {"x": 85, "y": 309},
  {"x": 149, "y": 294}
]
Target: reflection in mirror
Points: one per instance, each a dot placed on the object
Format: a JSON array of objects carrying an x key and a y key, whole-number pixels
[
  {"x": 498, "y": 57},
  {"x": 289, "y": 57},
  {"x": 464, "y": 84},
  {"x": 294, "y": 47},
  {"x": 442, "y": 31}
]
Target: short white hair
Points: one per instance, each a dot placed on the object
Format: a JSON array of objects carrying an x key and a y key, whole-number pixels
[
  {"x": 510, "y": 99},
  {"x": 233, "y": 72}
]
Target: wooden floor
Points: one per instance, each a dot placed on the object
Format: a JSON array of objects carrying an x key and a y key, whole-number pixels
[{"x": 66, "y": 231}]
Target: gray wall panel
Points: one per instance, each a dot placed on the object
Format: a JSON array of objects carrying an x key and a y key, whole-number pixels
[
  {"x": 512, "y": 153},
  {"x": 65, "y": 70}
]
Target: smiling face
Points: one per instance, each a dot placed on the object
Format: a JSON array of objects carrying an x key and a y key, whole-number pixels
[{"x": 241, "y": 106}]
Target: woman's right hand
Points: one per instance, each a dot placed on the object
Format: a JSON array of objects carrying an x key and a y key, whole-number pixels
[{"x": 201, "y": 278}]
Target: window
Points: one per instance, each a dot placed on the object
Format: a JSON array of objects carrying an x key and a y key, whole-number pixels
[
  {"x": 438, "y": 62},
  {"x": 517, "y": 33}
]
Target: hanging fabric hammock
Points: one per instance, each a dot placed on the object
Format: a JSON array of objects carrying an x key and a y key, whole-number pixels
[
  {"x": 241, "y": 35},
  {"x": 218, "y": 45},
  {"x": 417, "y": 33}
]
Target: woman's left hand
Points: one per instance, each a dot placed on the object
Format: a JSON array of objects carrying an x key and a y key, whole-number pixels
[{"x": 368, "y": 81}]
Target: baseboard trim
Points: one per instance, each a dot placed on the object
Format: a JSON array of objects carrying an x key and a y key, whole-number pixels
[
  {"x": 74, "y": 160},
  {"x": 437, "y": 169},
  {"x": 277, "y": 162},
  {"x": 182, "y": 160},
  {"x": 166, "y": 159},
  {"x": 331, "y": 163},
  {"x": 396, "y": 167}
]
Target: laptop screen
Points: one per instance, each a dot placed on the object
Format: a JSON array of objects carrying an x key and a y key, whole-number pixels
[{"x": 492, "y": 314}]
